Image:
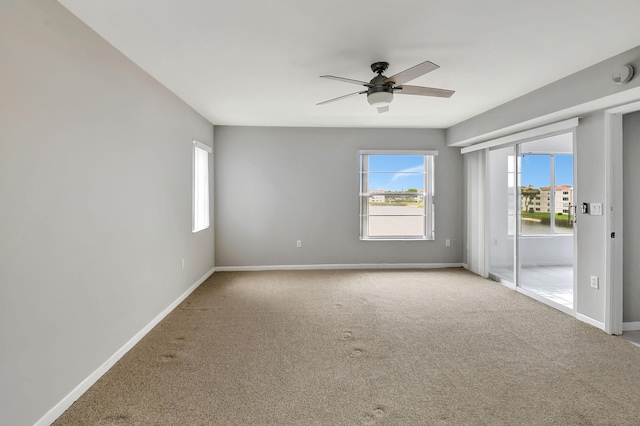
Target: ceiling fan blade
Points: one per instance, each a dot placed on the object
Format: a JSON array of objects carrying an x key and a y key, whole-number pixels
[
  {"x": 383, "y": 109},
  {"x": 411, "y": 73},
  {"x": 423, "y": 91},
  {"x": 347, "y": 80},
  {"x": 342, "y": 97}
]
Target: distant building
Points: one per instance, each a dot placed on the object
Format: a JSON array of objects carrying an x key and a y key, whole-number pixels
[
  {"x": 378, "y": 197},
  {"x": 541, "y": 203}
]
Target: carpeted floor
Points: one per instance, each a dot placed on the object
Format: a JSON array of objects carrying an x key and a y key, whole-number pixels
[{"x": 431, "y": 347}]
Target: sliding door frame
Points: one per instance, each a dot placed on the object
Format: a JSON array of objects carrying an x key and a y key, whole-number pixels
[
  {"x": 562, "y": 127},
  {"x": 613, "y": 307},
  {"x": 552, "y": 179}
]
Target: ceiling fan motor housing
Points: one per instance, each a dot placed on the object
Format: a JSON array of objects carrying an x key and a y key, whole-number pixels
[{"x": 381, "y": 93}]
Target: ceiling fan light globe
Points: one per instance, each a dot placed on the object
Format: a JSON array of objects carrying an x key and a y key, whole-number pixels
[{"x": 380, "y": 99}]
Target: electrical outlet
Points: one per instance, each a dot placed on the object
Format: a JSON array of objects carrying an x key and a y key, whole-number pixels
[
  {"x": 594, "y": 281},
  {"x": 299, "y": 243},
  {"x": 447, "y": 242},
  {"x": 182, "y": 263}
]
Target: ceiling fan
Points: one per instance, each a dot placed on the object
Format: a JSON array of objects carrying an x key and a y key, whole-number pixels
[{"x": 381, "y": 88}]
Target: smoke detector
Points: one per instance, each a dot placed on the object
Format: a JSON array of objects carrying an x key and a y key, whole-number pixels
[{"x": 623, "y": 74}]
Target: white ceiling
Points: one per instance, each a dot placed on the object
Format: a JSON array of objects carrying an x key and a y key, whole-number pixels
[{"x": 258, "y": 62}]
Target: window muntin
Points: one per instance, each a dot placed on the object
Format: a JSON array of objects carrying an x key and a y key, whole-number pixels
[
  {"x": 396, "y": 195},
  {"x": 200, "y": 186}
]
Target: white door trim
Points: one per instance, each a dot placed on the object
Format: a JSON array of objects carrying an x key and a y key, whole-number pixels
[
  {"x": 576, "y": 230},
  {"x": 613, "y": 140}
]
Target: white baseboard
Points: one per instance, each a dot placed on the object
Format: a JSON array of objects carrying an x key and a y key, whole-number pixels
[
  {"x": 66, "y": 402},
  {"x": 590, "y": 321},
  {"x": 631, "y": 326},
  {"x": 338, "y": 266}
]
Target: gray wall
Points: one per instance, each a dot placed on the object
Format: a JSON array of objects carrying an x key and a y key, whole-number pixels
[
  {"x": 631, "y": 203},
  {"x": 95, "y": 204},
  {"x": 591, "y": 230},
  {"x": 278, "y": 185},
  {"x": 590, "y": 84}
]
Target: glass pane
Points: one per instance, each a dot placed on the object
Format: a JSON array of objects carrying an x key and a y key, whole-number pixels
[
  {"x": 396, "y": 163},
  {"x": 396, "y": 173},
  {"x": 545, "y": 264},
  {"x": 396, "y": 182},
  {"x": 535, "y": 194},
  {"x": 502, "y": 218},
  {"x": 564, "y": 194},
  {"x": 403, "y": 226},
  {"x": 400, "y": 208},
  {"x": 200, "y": 189}
]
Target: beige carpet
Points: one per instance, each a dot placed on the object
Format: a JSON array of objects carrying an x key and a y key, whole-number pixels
[{"x": 366, "y": 347}]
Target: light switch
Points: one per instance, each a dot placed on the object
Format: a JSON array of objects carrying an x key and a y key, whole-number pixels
[{"x": 595, "y": 209}]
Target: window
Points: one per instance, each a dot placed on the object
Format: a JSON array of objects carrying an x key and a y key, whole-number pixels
[
  {"x": 396, "y": 195},
  {"x": 550, "y": 176},
  {"x": 200, "y": 186}
]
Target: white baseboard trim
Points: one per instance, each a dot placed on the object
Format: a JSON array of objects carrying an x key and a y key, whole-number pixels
[
  {"x": 338, "y": 266},
  {"x": 590, "y": 321},
  {"x": 631, "y": 326},
  {"x": 66, "y": 402}
]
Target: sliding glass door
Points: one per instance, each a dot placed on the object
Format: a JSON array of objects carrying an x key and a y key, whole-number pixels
[
  {"x": 545, "y": 240},
  {"x": 502, "y": 181},
  {"x": 531, "y": 218}
]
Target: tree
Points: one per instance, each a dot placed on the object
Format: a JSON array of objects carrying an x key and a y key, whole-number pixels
[
  {"x": 529, "y": 194},
  {"x": 412, "y": 190}
]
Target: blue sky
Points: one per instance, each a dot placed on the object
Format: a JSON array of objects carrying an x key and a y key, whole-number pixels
[
  {"x": 396, "y": 172},
  {"x": 535, "y": 170},
  {"x": 401, "y": 172}
]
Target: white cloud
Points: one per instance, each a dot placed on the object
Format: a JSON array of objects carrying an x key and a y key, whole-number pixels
[{"x": 402, "y": 174}]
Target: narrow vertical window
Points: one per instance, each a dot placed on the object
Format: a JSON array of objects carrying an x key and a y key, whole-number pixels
[{"x": 200, "y": 186}]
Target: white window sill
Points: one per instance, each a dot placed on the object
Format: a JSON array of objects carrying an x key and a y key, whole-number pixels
[{"x": 396, "y": 239}]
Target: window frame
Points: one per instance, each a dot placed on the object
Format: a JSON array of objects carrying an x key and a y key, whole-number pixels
[
  {"x": 428, "y": 193},
  {"x": 200, "y": 188}
]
